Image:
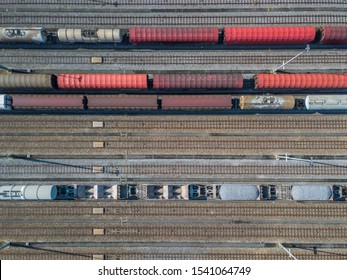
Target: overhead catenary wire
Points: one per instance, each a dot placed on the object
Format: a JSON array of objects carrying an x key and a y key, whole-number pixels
[
  {"x": 310, "y": 161},
  {"x": 307, "y": 49},
  {"x": 288, "y": 251}
]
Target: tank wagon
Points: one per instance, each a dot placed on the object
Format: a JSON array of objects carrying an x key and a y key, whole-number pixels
[
  {"x": 230, "y": 35},
  {"x": 273, "y": 192},
  {"x": 326, "y": 102},
  {"x": 171, "y": 102},
  {"x": 5, "y": 102},
  {"x": 36, "y": 192},
  {"x": 310, "y": 192},
  {"x": 70, "y": 35},
  {"x": 267, "y": 102},
  {"x": 23, "y": 35}
]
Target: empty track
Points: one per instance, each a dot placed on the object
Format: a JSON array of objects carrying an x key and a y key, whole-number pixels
[
  {"x": 173, "y": 145},
  {"x": 175, "y": 232},
  {"x": 211, "y": 124},
  {"x": 184, "y": 209},
  {"x": 170, "y": 4},
  {"x": 80, "y": 254},
  {"x": 169, "y": 170},
  {"x": 216, "y": 169},
  {"x": 253, "y": 61},
  {"x": 226, "y": 58}
]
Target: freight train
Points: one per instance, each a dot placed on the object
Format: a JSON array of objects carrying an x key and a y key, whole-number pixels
[
  {"x": 231, "y": 36},
  {"x": 157, "y": 82},
  {"x": 173, "y": 102},
  {"x": 171, "y": 81},
  {"x": 233, "y": 192}
]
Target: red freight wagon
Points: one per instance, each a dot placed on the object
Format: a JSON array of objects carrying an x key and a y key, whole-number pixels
[
  {"x": 197, "y": 81},
  {"x": 102, "y": 81},
  {"x": 122, "y": 102},
  {"x": 196, "y": 102},
  {"x": 173, "y": 35},
  {"x": 287, "y": 35},
  {"x": 309, "y": 81},
  {"x": 333, "y": 35},
  {"x": 47, "y": 101}
]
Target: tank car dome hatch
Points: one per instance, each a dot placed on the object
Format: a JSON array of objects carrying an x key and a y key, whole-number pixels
[
  {"x": 308, "y": 192},
  {"x": 238, "y": 192},
  {"x": 39, "y": 192}
]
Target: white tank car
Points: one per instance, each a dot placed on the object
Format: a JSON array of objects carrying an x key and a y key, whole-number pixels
[
  {"x": 326, "y": 102},
  {"x": 109, "y": 35},
  {"x": 69, "y": 35},
  {"x": 238, "y": 192},
  {"x": 28, "y": 192},
  {"x": 311, "y": 192},
  {"x": 5, "y": 102},
  {"x": 22, "y": 35},
  {"x": 267, "y": 102}
]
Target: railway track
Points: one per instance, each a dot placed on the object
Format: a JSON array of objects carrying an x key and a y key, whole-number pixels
[
  {"x": 229, "y": 58},
  {"x": 126, "y": 20},
  {"x": 134, "y": 170},
  {"x": 223, "y": 256},
  {"x": 46, "y": 169},
  {"x": 179, "y": 145},
  {"x": 163, "y": 5},
  {"x": 206, "y": 210},
  {"x": 228, "y": 170},
  {"x": 172, "y": 58},
  {"x": 175, "y": 232},
  {"x": 211, "y": 124},
  {"x": 233, "y": 255}
]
